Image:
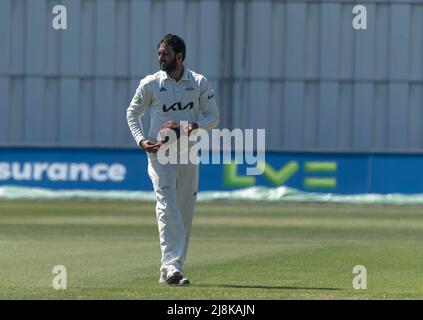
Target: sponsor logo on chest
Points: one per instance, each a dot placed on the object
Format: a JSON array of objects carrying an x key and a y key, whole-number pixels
[{"x": 177, "y": 106}]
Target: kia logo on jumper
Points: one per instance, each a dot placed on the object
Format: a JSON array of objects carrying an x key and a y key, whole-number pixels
[{"x": 177, "y": 106}]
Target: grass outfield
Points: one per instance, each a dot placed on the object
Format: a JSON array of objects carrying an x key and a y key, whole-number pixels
[{"x": 250, "y": 251}]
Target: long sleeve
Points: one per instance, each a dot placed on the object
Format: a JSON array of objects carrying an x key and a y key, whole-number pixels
[
  {"x": 210, "y": 112},
  {"x": 136, "y": 110}
]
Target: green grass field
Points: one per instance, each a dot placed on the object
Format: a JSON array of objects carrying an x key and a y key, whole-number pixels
[{"x": 237, "y": 251}]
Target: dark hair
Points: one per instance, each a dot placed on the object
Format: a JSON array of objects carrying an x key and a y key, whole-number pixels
[{"x": 177, "y": 44}]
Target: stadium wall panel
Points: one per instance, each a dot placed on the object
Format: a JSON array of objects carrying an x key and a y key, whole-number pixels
[
  {"x": 126, "y": 169},
  {"x": 296, "y": 68}
]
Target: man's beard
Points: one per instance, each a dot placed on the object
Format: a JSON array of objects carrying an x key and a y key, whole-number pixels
[{"x": 168, "y": 67}]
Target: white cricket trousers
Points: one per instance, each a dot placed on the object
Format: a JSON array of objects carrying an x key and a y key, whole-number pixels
[{"x": 176, "y": 187}]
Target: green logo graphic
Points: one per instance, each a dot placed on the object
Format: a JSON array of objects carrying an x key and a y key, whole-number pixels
[
  {"x": 231, "y": 178},
  {"x": 137, "y": 99},
  {"x": 278, "y": 178},
  {"x": 320, "y": 182}
]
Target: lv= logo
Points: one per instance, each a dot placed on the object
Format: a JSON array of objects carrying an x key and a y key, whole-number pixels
[{"x": 231, "y": 178}]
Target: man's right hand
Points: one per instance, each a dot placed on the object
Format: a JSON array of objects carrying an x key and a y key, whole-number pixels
[{"x": 149, "y": 146}]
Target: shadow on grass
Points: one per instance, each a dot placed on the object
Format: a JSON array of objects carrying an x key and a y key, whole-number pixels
[{"x": 259, "y": 287}]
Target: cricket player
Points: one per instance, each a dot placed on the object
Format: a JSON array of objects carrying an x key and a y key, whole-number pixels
[{"x": 174, "y": 93}]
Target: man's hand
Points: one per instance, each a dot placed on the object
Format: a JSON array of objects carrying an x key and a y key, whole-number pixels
[
  {"x": 190, "y": 128},
  {"x": 149, "y": 146}
]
